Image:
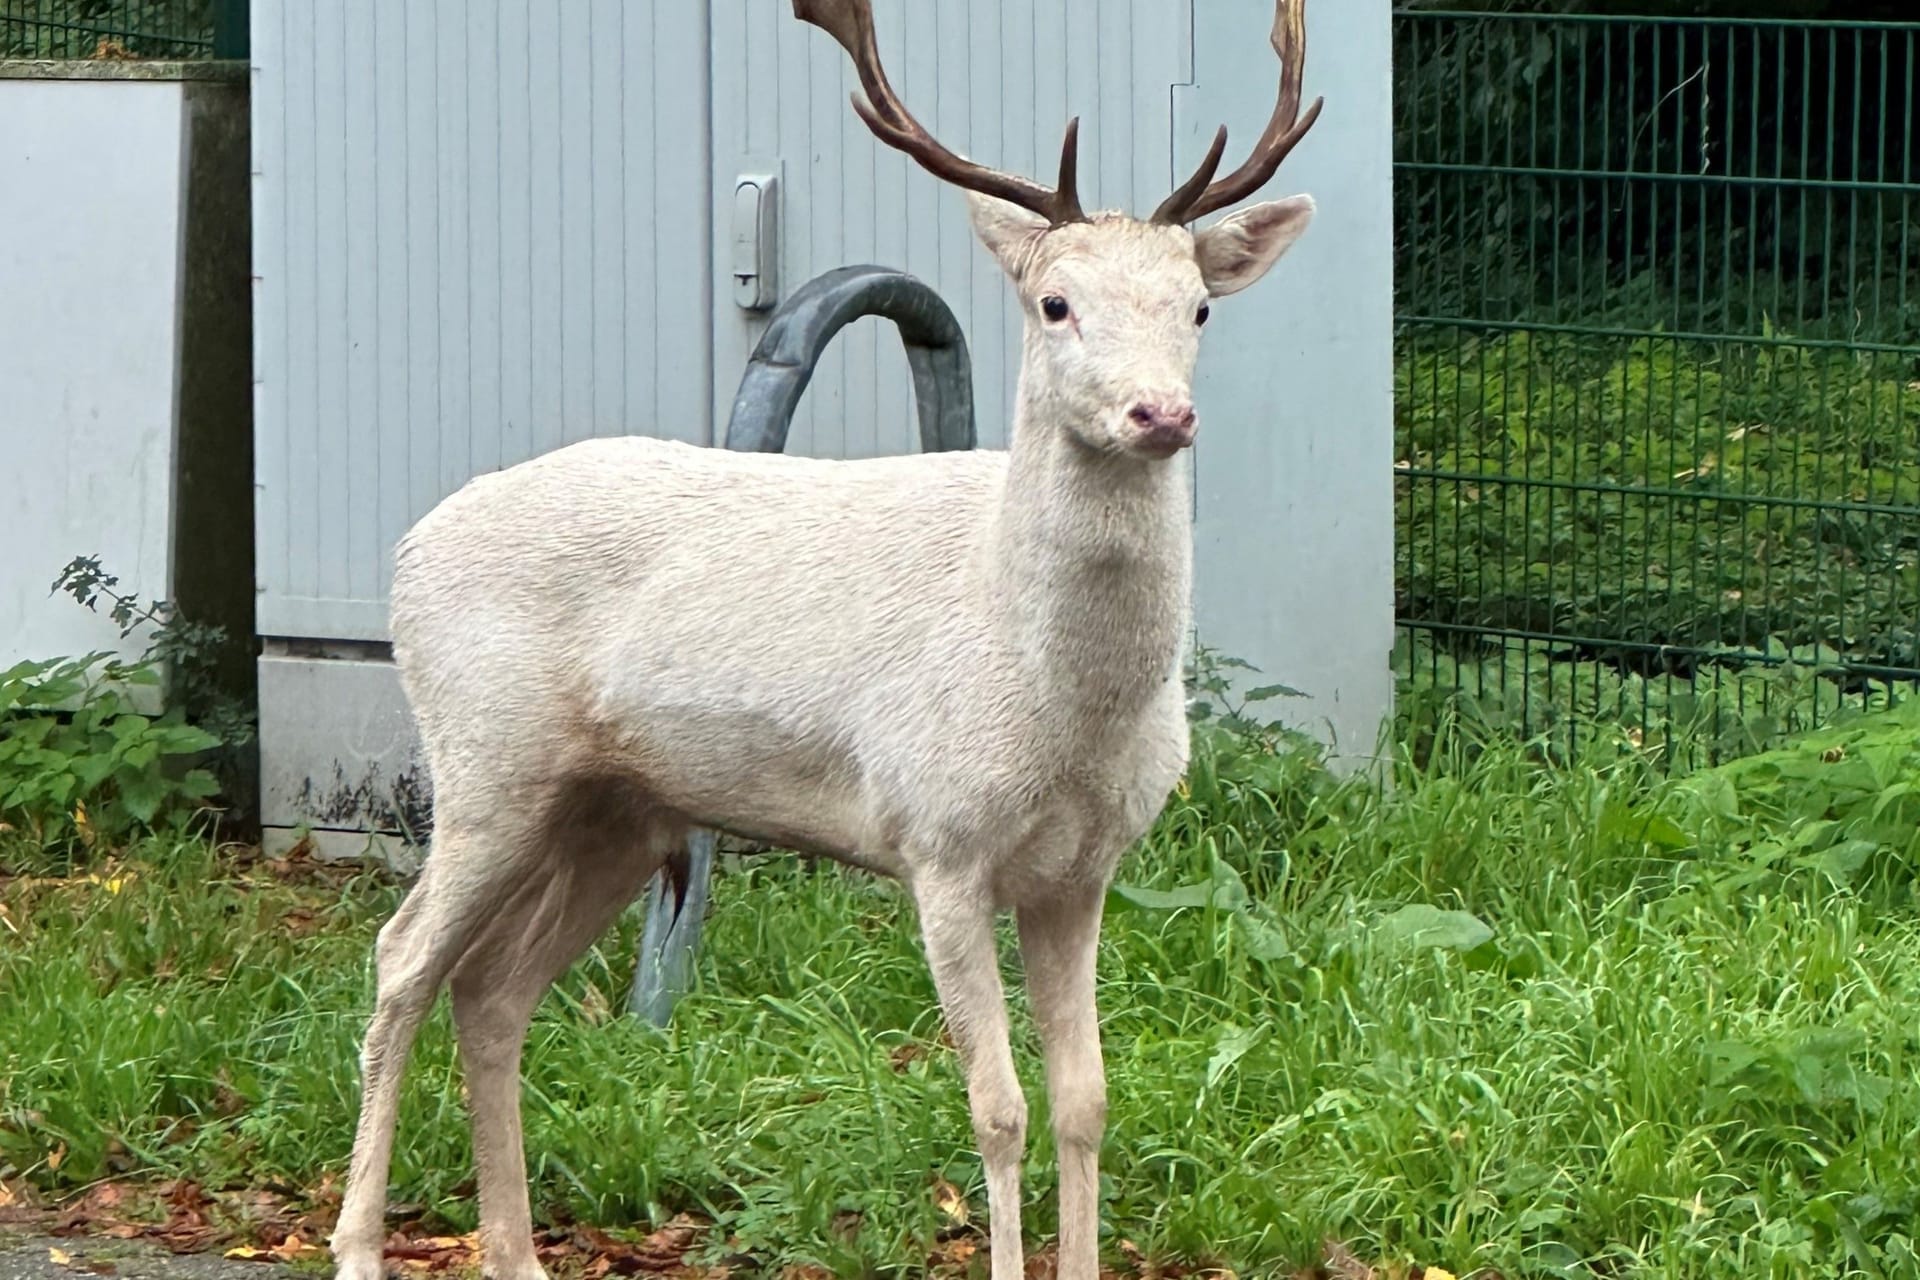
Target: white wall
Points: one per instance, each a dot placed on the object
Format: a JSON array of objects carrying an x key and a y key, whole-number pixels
[
  {"x": 1294, "y": 504},
  {"x": 90, "y": 177},
  {"x": 480, "y": 233}
]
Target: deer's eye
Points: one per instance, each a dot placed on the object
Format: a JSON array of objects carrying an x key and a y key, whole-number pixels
[
  {"x": 1054, "y": 307},
  {"x": 1205, "y": 311}
]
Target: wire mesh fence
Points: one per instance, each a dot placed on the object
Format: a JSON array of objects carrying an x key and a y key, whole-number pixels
[
  {"x": 147, "y": 29},
  {"x": 1658, "y": 402}
]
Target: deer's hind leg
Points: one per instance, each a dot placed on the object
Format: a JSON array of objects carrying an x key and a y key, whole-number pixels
[
  {"x": 510, "y": 894},
  {"x": 602, "y": 847},
  {"x": 471, "y": 876}
]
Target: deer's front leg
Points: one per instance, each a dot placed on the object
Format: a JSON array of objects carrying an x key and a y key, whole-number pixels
[
  {"x": 1058, "y": 943},
  {"x": 957, "y": 922}
]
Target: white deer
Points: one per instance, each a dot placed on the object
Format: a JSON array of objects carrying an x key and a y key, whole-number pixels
[{"x": 960, "y": 670}]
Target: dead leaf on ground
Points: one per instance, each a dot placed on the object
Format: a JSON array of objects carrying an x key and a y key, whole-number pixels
[
  {"x": 583, "y": 1251},
  {"x": 227, "y": 1101},
  {"x": 298, "y": 866},
  {"x": 291, "y": 1249},
  {"x": 956, "y": 1253},
  {"x": 594, "y": 1006},
  {"x": 300, "y": 922},
  {"x": 948, "y": 1199},
  {"x": 1344, "y": 1266},
  {"x": 105, "y": 1209},
  {"x": 188, "y": 1228},
  {"x": 432, "y": 1253}
]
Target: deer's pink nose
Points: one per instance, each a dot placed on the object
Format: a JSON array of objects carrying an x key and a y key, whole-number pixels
[{"x": 1163, "y": 427}]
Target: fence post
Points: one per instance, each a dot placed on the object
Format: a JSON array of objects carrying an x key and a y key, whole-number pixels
[
  {"x": 231, "y": 29},
  {"x": 776, "y": 377}
]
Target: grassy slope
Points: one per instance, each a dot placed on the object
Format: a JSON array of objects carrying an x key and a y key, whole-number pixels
[{"x": 1672, "y": 1054}]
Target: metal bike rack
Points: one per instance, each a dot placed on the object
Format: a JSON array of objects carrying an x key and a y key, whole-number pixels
[{"x": 776, "y": 377}]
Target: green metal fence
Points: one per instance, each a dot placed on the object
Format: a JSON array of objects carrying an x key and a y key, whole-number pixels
[
  {"x": 1658, "y": 401},
  {"x": 169, "y": 29}
]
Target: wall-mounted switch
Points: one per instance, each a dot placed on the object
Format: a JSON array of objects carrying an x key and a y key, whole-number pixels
[{"x": 756, "y": 241}]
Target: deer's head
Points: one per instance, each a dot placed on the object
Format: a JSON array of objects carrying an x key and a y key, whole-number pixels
[{"x": 1113, "y": 304}]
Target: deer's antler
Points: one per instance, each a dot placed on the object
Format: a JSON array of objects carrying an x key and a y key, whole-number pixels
[
  {"x": 851, "y": 23},
  {"x": 1200, "y": 195}
]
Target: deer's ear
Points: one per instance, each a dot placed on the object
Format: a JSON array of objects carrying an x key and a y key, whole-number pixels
[
  {"x": 1237, "y": 251},
  {"x": 1008, "y": 231}
]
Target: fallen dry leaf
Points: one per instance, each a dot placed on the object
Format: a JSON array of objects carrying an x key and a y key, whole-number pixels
[
  {"x": 594, "y": 1006},
  {"x": 290, "y": 1249},
  {"x": 59, "y": 1257},
  {"x": 947, "y": 1198},
  {"x": 298, "y": 922},
  {"x": 1344, "y": 1266}
]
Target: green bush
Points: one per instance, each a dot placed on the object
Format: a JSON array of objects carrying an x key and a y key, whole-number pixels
[
  {"x": 1842, "y": 802},
  {"x": 100, "y": 772},
  {"x": 1658, "y": 492},
  {"x": 81, "y": 767}
]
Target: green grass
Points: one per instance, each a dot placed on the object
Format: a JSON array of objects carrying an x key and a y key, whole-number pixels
[{"x": 1672, "y": 1031}]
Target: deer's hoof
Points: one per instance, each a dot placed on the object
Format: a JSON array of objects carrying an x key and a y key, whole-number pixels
[
  {"x": 523, "y": 1269},
  {"x": 359, "y": 1264}
]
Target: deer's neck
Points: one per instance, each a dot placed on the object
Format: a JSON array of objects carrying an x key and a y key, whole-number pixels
[{"x": 1091, "y": 564}]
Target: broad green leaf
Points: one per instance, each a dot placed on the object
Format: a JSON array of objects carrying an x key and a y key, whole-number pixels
[
  {"x": 1187, "y": 895},
  {"x": 1663, "y": 832},
  {"x": 1262, "y": 938},
  {"x": 184, "y": 739},
  {"x": 92, "y": 770},
  {"x": 1229, "y": 890},
  {"x": 1422, "y": 925},
  {"x": 1233, "y": 1044},
  {"x": 128, "y": 727},
  {"x": 1842, "y": 862},
  {"x": 198, "y": 783},
  {"x": 141, "y": 796}
]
